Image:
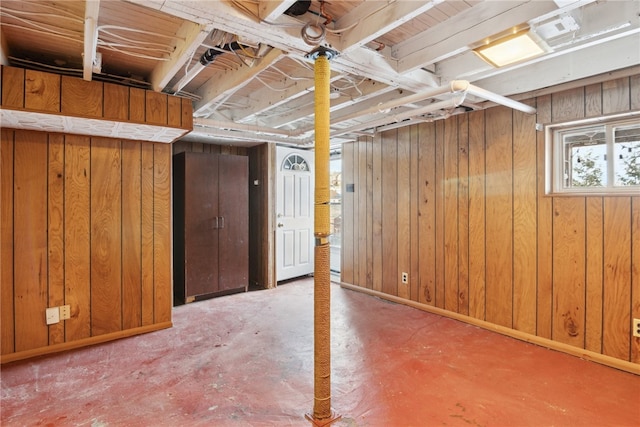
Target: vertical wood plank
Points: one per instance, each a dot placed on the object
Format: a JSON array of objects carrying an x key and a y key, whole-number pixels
[
  {"x": 13, "y": 89},
  {"x": 131, "y": 234},
  {"x": 376, "y": 214},
  {"x": 116, "y": 102},
  {"x": 499, "y": 216},
  {"x": 593, "y": 100},
  {"x": 174, "y": 111},
  {"x": 569, "y": 270},
  {"x": 148, "y": 302},
  {"x": 137, "y": 105},
  {"x": 615, "y": 95},
  {"x": 389, "y": 212},
  {"x": 30, "y": 240},
  {"x": 450, "y": 220},
  {"x": 524, "y": 222},
  {"x": 414, "y": 191},
  {"x": 198, "y": 147},
  {"x": 362, "y": 218},
  {"x": 77, "y": 252},
  {"x": 106, "y": 233},
  {"x": 346, "y": 269},
  {"x": 593, "y": 310},
  {"x": 42, "y": 91},
  {"x": 617, "y": 277},
  {"x": 635, "y": 273},
  {"x": 156, "y": 108},
  {"x": 634, "y": 91},
  {"x": 162, "y": 232},
  {"x": 55, "y": 244},
  {"x": 463, "y": 214},
  {"x": 7, "y": 324},
  {"x": 357, "y": 188},
  {"x": 369, "y": 210},
  {"x": 81, "y": 98},
  {"x": 181, "y": 146},
  {"x": 545, "y": 229},
  {"x": 404, "y": 211},
  {"x": 187, "y": 114},
  {"x": 439, "y": 291},
  {"x": 567, "y": 105},
  {"x": 476, "y": 215},
  {"x": 427, "y": 212}
]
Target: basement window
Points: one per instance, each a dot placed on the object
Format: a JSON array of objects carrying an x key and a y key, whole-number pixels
[{"x": 594, "y": 156}]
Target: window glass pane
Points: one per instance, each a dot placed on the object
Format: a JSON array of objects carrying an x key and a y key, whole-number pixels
[
  {"x": 585, "y": 158},
  {"x": 627, "y": 155}
]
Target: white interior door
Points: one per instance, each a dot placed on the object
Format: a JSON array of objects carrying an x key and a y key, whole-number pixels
[{"x": 294, "y": 213}]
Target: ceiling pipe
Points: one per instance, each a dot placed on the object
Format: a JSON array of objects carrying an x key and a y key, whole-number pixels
[
  {"x": 499, "y": 99},
  {"x": 220, "y": 124}
]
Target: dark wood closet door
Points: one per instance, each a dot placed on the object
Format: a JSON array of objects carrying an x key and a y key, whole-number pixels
[
  {"x": 234, "y": 232},
  {"x": 201, "y": 233}
]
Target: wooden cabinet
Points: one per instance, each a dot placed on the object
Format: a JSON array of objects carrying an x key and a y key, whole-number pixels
[{"x": 210, "y": 225}]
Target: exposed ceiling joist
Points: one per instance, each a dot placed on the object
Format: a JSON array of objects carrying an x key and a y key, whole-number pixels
[
  {"x": 269, "y": 10},
  {"x": 92, "y": 9}
]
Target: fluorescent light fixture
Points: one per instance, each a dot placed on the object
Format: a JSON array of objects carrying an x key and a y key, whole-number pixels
[{"x": 511, "y": 49}]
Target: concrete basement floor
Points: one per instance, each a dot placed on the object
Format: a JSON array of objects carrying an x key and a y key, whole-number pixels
[{"x": 247, "y": 360}]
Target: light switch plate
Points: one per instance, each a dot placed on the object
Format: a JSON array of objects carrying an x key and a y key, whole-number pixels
[{"x": 53, "y": 315}]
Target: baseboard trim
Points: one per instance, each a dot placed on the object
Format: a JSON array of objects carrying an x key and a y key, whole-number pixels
[
  {"x": 99, "y": 339},
  {"x": 623, "y": 365}
]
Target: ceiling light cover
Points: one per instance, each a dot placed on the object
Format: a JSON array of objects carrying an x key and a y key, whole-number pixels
[{"x": 511, "y": 49}]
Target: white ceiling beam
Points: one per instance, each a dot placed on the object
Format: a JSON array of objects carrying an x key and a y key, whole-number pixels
[
  {"x": 468, "y": 28},
  {"x": 219, "y": 86},
  {"x": 372, "y": 19},
  {"x": 188, "y": 39},
  {"x": 91, "y": 11},
  {"x": 271, "y": 9}
]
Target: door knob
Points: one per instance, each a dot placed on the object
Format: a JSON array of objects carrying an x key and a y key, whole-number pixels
[{"x": 280, "y": 225}]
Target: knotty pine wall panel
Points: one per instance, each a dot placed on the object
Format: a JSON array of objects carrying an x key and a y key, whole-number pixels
[
  {"x": 85, "y": 223},
  {"x": 490, "y": 244}
]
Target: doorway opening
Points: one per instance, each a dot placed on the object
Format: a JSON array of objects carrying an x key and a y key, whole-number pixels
[{"x": 335, "y": 209}]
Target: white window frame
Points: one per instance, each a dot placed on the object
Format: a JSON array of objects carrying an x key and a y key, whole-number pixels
[{"x": 554, "y": 156}]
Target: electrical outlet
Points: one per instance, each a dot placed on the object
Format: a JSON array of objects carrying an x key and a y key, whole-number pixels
[
  {"x": 405, "y": 278},
  {"x": 65, "y": 312},
  {"x": 53, "y": 315},
  {"x": 636, "y": 328}
]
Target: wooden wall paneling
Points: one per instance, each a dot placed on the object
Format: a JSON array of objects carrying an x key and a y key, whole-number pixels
[
  {"x": 593, "y": 100},
  {"x": 634, "y": 92},
  {"x": 216, "y": 149},
  {"x": 477, "y": 215},
  {"x": 162, "y": 233},
  {"x": 13, "y": 89},
  {"x": 116, "y": 102},
  {"x": 346, "y": 269},
  {"x": 198, "y": 147},
  {"x": 106, "y": 235},
  {"x": 414, "y": 186},
  {"x": 450, "y": 185},
  {"x": 224, "y": 149},
  {"x": 187, "y": 113},
  {"x": 156, "y": 108},
  {"x": 545, "y": 229},
  {"x": 567, "y": 105},
  {"x": 137, "y": 105},
  {"x": 499, "y": 216},
  {"x": 376, "y": 213},
  {"x": 81, "y": 98},
  {"x": 6, "y": 241},
  {"x": 439, "y": 292},
  {"x": 174, "y": 111},
  {"x": 55, "y": 243},
  {"x": 42, "y": 91},
  {"x": 77, "y": 252},
  {"x": 369, "y": 232},
  {"x": 463, "y": 214},
  {"x": 131, "y": 234},
  {"x": 390, "y": 275},
  {"x": 524, "y": 222},
  {"x": 30, "y": 243},
  {"x": 358, "y": 187},
  {"x": 404, "y": 211},
  {"x": 148, "y": 302},
  {"x": 569, "y": 270},
  {"x": 594, "y": 266},
  {"x": 615, "y": 95},
  {"x": 617, "y": 277},
  {"x": 363, "y": 191},
  {"x": 427, "y": 212},
  {"x": 635, "y": 273},
  {"x": 181, "y": 146}
]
